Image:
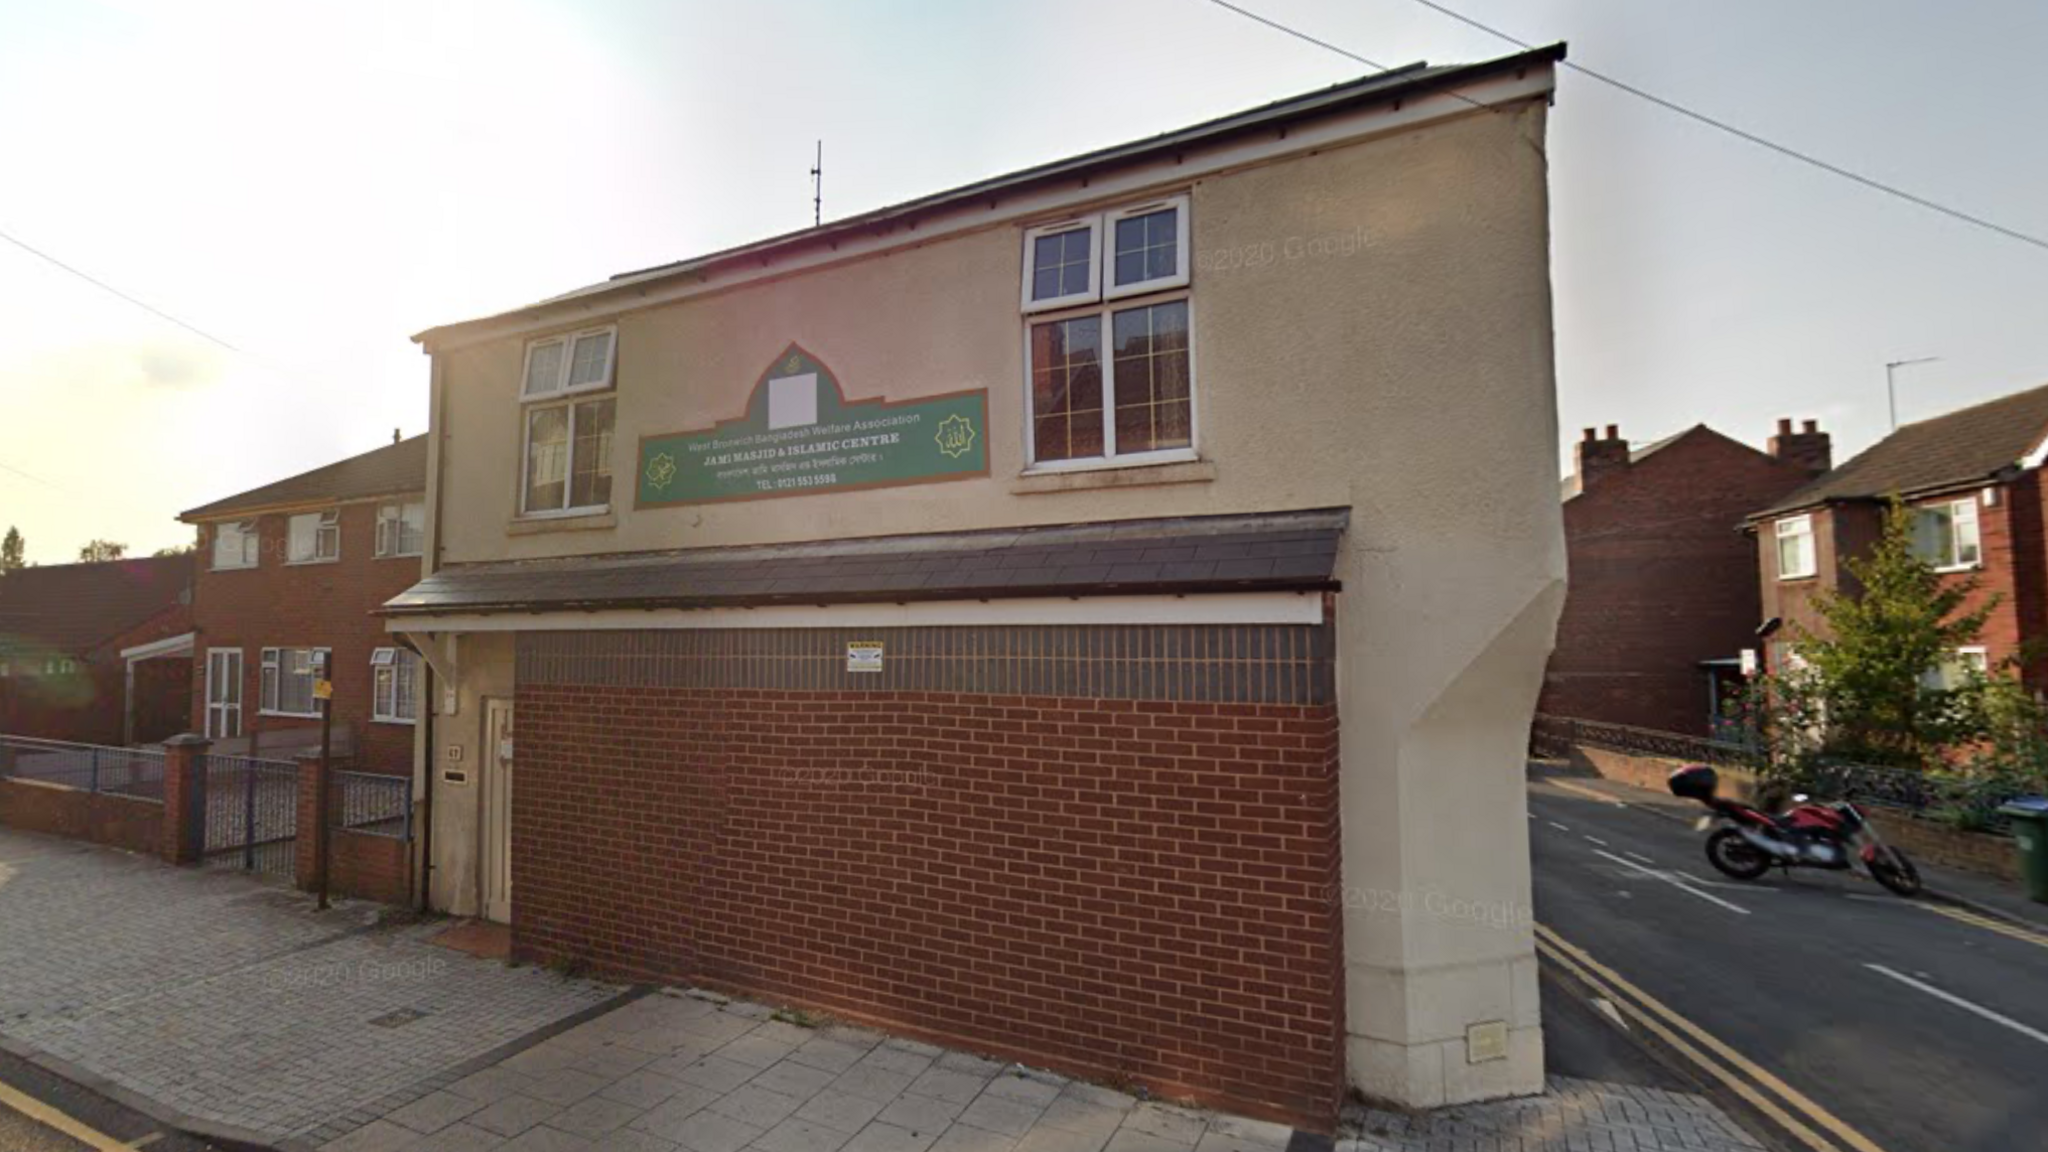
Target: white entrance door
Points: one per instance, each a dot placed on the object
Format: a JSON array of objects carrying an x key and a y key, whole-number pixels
[
  {"x": 223, "y": 693},
  {"x": 497, "y": 814}
]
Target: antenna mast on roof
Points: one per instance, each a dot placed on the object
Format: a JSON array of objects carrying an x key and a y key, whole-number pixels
[{"x": 818, "y": 187}]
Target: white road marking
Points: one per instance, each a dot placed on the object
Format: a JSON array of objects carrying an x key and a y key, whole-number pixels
[
  {"x": 1608, "y": 1009},
  {"x": 1637, "y": 856},
  {"x": 1675, "y": 881},
  {"x": 1556, "y": 825},
  {"x": 1594, "y": 840},
  {"x": 1958, "y": 1001}
]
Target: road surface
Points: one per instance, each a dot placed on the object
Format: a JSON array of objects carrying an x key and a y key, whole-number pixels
[
  {"x": 1853, "y": 1020},
  {"x": 40, "y": 1112}
]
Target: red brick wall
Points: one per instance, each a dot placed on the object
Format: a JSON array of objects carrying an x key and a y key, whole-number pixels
[
  {"x": 370, "y": 867},
  {"x": 280, "y": 605},
  {"x": 1124, "y": 889},
  {"x": 119, "y": 821},
  {"x": 1661, "y": 578}
]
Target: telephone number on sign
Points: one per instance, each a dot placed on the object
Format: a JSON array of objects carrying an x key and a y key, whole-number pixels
[{"x": 815, "y": 480}]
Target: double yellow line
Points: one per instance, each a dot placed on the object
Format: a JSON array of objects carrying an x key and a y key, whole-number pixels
[
  {"x": 57, "y": 1120},
  {"x": 1808, "y": 1122},
  {"x": 1978, "y": 920}
]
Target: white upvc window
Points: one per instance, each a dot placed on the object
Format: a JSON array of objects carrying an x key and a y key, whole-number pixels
[
  {"x": 401, "y": 529},
  {"x": 288, "y": 678},
  {"x": 1962, "y": 666},
  {"x": 314, "y": 537},
  {"x": 394, "y": 696},
  {"x": 1124, "y": 251},
  {"x": 1108, "y": 342},
  {"x": 571, "y": 362},
  {"x": 1796, "y": 554},
  {"x": 236, "y": 544},
  {"x": 1946, "y": 535}
]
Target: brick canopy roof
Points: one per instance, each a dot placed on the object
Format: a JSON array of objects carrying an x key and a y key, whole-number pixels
[
  {"x": 1967, "y": 446},
  {"x": 1268, "y": 551},
  {"x": 395, "y": 469},
  {"x": 72, "y": 609}
]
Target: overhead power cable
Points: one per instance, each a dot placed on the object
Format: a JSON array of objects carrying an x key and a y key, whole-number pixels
[
  {"x": 1743, "y": 134},
  {"x": 103, "y": 286}
]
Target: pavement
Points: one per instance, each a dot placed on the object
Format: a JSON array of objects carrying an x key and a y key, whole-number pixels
[
  {"x": 1813, "y": 1007},
  {"x": 193, "y": 1001},
  {"x": 221, "y": 1004}
]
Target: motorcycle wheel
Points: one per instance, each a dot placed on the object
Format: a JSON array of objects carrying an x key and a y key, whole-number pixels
[
  {"x": 1735, "y": 856},
  {"x": 1891, "y": 868}
]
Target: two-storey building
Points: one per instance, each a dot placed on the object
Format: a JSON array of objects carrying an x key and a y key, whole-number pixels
[
  {"x": 1091, "y": 616},
  {"x": 1973, "y": 481},
  {"x": 289, "y": 577},
  {"x": 96, "y": 653}
]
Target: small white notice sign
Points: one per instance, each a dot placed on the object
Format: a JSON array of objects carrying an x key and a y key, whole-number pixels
[{"x": 863, "y": 655}]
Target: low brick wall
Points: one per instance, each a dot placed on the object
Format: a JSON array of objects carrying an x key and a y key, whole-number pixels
[
  {"x": 1927, "y": 841},
  {"x": 370, "y": 867},
  {"x": 116, "y": 821}
]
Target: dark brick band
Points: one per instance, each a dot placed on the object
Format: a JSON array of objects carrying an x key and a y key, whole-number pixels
[{"x": 1238, "y": 664}]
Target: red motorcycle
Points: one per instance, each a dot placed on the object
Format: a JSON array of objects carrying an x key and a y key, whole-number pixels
[{"x": 1834, "y": 836}]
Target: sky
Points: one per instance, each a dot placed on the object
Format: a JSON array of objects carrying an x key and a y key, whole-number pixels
[{"x": 308, "y": 183}]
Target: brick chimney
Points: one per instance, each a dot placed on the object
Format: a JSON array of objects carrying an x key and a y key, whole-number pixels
[
  {"x": 1600, "y": 456},
  {"x": 1809, "y": 448}
]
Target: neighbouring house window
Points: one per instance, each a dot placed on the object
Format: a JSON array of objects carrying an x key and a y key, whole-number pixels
[
  {"x": 401, "y": 529},
  {"x": 235, "y": 545},
  {"x": 1945, "y": 534},
  {"x": 314, "y": 537},
  {"x": 59, "y": 666},
  {"x": 1111, "y": 379},
  {"x": 395, "y": 692},
  {"x": 1796, "y": 556},
  {"x": 1962, "y": 666},
  {"x": 288, "y": 677},
  {"x": 566, "y": 462}
]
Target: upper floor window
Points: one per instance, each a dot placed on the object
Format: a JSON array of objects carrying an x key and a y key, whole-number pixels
[
  {"x": 288, "y": 678},
  {"x": 314, "y": 537},
  {"x": 401, "y": 529},
  {"x": 1796, "y": 555},
  {"x": 395, "y": 690},
  {"x": 579, "y": 362},
  {"x": 1111, "y": 376},
  {"x": 566, "y": 465},
  {"x": 1945, "y": 534},
  {"x": 236, "y": 545}
]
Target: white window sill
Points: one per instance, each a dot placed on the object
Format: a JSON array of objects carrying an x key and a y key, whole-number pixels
[
  {"x": 1795, "y": 577},
  {"x": 392, "y": 720},
  {"x": 401, "y": 555},
  {"x": 288, "y": 715},
  {"x": 1113, "y": 475},
  {"x": 1950, "y": 569},
  {"x": 236, "y": 568},
  {"x": 574, "y": 520},
  {"x": 312, "y": 563}
]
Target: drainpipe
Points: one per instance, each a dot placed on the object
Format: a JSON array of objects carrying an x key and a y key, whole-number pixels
[{"x": 437, "y": 429}]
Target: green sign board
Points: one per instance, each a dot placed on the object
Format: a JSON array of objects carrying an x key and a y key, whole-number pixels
[{"x": 801, "y": 435}]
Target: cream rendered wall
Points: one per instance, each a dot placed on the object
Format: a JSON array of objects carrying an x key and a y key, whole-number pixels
[
  {"x": 456, "y": 884},
  {"x": 1408, "y": 376}
]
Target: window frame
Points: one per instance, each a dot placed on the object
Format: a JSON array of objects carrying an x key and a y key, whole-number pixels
[
  {"x": 1093, "y": 293},
  {"x": 379, "y": 551},
  {"x": 270, "y": 680},
  {"x": 250, "y": 531},
  {"x": 1106, "y": 311},
  {"x": 1805, "y": 522},
  {"x": 1179, "y": 278},
  {"x": 392, "y": 659},
  {"x": 1956, "y": 506},
  {"x": 1935, "y": 679},
  {"x": 526, "y": 412},
  {"x": 328, "y": 522},
  {"x": 568, "y": 341}
]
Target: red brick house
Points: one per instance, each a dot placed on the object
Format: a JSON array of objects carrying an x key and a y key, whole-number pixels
[
  {"x": 1661, "y": 605},
  {"x": 96, "y": 653},
  {"x": 1973, "y": 478},
  {"x": 287, "y": 576}
]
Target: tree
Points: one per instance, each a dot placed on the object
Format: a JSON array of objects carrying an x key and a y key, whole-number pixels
[
  {"x": 102, "y": 550},
  {"x": 177, "y": 550},
  {"x": 1863, "y": 689},
  {"x": 12, "y": 550}
]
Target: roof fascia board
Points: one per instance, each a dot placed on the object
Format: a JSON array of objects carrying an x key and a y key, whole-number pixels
[
  {"x": 1219, "y": 608},
  {"x": 1142, "y": 174},
  {"x": 203, "y": 515}
]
